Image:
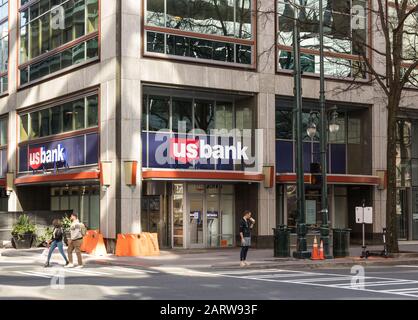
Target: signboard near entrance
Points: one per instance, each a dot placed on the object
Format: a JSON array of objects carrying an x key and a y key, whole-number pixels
[
  {"x": 71, "y": 152},
  {"x": 364, "y": 215}
]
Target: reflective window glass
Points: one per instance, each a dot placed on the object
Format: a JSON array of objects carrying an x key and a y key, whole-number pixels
[
  {"x": 204, "y": 115},
  {"x": 182, "y": 115},
  {"x": 159, "y": 113}
]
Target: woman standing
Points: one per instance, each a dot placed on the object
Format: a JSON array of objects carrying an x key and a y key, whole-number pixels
[
  {"x": 245, "y": 227},
  {"x": 56, "y": 241}
]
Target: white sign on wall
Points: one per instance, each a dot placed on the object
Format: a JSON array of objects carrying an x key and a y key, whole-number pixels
[
  {"x": 310, "y": 211},
  {"x": 364, "y": 215}
]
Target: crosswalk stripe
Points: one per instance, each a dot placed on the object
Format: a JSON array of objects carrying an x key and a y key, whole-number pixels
[
  {"x": 36, "y": 274},
  {"x": 85, "y": 272},
  {"x": 137, "y": 271},
  {"x": 376, "y": 284},
  {"x": 406, "y": 266},
  {"x": 285, "y": 275},
  {"x": 303, "y": 280},
  {"x": 247, "y": 272},
  {"x": 402, "y": 290}
]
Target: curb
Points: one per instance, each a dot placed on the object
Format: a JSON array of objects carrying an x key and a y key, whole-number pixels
[
  {"x": 255, "y": 265},
  {"x": 21, "y": 252},
  {"x": 326, "y": 265}
]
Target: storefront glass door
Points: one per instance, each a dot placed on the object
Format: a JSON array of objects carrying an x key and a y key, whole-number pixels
[
  {"x": 211, "y": 215},
  {"x": 196, "y": 220}
]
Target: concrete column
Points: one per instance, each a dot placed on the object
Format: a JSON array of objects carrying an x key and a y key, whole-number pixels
[
  {"x": 8, "y": 104},
  {"x": 131, "y": 113},
  {"x": 108, "y": 141},
  {"x": 379, "y": 141},
  {"x": 266, "y": 113}
]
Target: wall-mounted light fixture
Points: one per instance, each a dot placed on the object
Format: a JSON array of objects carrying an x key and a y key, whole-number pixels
[
  {"x": 382, "y": 179},
  {"x": 10, "y": 177},
  {"x": 130, "y": 172},
  {"x": 105, "y": 174},
  {"x": 268, "y": 172}
]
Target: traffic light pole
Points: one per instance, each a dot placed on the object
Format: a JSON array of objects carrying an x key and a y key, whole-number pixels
[
  {"x": 323, "y": 139},
  {"x": 301, "y": 229}
]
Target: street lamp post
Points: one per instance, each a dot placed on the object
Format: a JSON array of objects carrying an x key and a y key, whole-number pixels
[
  {"x": 301, "y": 249},
  {"x": 323, "y": 138}
]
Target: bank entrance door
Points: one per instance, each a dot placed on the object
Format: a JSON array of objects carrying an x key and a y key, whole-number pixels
[
  {"x": 210, "y": 216},
  {"x": 153, "y": 218}
]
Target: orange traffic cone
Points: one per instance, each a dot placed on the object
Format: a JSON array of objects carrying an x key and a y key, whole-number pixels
[
  {"x": 321, "y": 251},
  {"x": 315, "y": 252}
]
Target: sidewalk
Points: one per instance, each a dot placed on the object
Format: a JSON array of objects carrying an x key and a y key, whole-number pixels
[{"x": 229, "y": 258}]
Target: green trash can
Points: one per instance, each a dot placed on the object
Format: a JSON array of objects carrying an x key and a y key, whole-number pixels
[
  {"x": 341, "y": 243},
  {"x": 281, "y": 241}
]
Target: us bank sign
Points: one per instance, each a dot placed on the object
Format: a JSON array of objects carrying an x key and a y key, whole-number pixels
[{"x": 235, "y": 150}]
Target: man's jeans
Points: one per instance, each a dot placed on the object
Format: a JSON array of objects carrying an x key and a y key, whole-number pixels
[
  {"x": 60, "y": 246},
  {"x": 75, "y": 246}
]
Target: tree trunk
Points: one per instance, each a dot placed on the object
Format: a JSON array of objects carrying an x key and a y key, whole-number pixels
[{"x": 391, "y": 216}]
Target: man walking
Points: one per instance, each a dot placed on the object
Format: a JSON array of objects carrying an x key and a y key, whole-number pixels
[
  {"x": 74, "y": 244},
  {"x": 245, "y": 227}
]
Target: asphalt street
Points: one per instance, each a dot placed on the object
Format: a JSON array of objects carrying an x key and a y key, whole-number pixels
[{"x": 26, "y": 278}]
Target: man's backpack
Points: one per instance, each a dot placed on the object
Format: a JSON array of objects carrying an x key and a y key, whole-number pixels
[{"x": 83, "y": 229}]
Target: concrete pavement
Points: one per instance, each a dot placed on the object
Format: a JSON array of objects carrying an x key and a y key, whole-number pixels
[
  {"x": 25, "y": 278},
  {"x": 229, "y": 258}
]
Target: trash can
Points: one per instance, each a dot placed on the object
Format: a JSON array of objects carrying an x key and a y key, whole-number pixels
[
  {"x": 341, "y": 243},
  {"x": 281, "y": 241}
]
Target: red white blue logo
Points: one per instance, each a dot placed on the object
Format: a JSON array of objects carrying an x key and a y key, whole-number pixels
[
  {"x": 41, "y": 157},
  {"x": 188, "y": 150}
]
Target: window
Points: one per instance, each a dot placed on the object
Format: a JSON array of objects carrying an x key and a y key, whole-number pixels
[
  {"x": 182, "y": 115},
  {"x": 92, "y": 111},
  {"x": 204, "y": 115},
  {"x": 56, "y": 124},
  {"x": 70, "y": 116},
  {"x": 224, "y": 115},
  {"x": 348, "y": 149},
  {"x": 50, "y": 24},
  {"x": 284, "y": 120},
  {"x": 184, "y": 111},
  {"x": 345, "y": 36},
  {"x": 4, "y": 45},
  {"x": 3, "y": 132},
  {"x": 159, "y": 113},
  {"x": 184, "y": 20},
  {"x": 44, "y": 131}
]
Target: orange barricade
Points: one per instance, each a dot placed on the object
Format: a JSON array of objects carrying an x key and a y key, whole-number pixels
[
  {"x": 143, "y": 245},
  {"x": 93, "y": 243},
  {"x": 155, "y": 248},
  {"x": 152, "y": 243},
  {"x": 88, "y": 241},
  {"x": 99, "y": 248},
  {"x": 133, "y": 245},
  {"x": 121, "y": 246}
]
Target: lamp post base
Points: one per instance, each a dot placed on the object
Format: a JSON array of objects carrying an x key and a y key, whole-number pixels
[
  {"x": 325, "y": 241},
  {"x": 301, "y": 245}
]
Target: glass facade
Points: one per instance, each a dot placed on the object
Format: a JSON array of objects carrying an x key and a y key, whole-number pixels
[
  {"x": 345, "y": 36},
  {"x": 181, "y": 111},
  {"x": 205, "y": 116},
  {"x": 4, "y": 45},
  {"x": 84, "y": 200},
  {"x": 173, "y": 27},
  {"x": 349, "y": 144},
  {"x": 67, "y": 117},
  {"x": 47, "y": 27}
]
